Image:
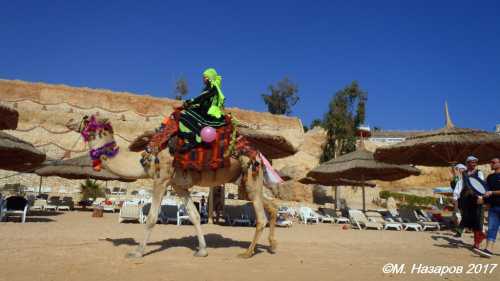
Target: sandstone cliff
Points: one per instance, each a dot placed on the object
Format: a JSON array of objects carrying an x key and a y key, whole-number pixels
[{"x": 44, "y": 110}]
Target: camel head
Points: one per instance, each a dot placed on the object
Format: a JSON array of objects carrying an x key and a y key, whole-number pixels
[{"x": 97, "y": 133}]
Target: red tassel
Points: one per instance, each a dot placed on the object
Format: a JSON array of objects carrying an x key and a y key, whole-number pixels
[{"x": 96, "y": 165}]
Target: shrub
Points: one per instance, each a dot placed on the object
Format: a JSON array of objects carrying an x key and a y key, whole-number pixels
[
  {"x": 384, "y": 194},
  {"x": 91, "y": 189},
  {"x": 410, "y": 199}
]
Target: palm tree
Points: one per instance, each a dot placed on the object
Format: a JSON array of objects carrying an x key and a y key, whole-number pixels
[{"x": 91, "y": 189}]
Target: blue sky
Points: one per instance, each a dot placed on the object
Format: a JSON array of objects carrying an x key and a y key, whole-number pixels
[{"x": 410, "y": 56}]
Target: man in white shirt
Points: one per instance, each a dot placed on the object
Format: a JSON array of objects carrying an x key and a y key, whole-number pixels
[
  {"x": 471, "y": 170},
  {"x": 465, "y": 200}
]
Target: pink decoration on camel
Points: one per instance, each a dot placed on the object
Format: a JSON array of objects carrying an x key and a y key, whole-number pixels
[{"x": 208, "y": 134}]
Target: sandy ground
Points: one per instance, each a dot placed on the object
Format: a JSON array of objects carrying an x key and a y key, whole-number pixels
[{"x": 75, "y": 246}]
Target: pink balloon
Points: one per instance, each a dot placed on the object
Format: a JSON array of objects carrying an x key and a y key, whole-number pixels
[{"x": 208, "y": 134}]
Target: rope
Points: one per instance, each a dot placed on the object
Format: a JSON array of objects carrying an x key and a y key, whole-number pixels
[
  {"x": 42, "y": 127},
  {"x": 116, "y": 111},
  {"x": 59, "y": 146}
]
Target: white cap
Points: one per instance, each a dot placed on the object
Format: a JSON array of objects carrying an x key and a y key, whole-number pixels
[
  {"x": 471, "y": 158},
  {"x": 461, "y": 166}
]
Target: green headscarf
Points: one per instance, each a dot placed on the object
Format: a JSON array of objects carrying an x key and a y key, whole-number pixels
[{"x": 218, "y": 103}]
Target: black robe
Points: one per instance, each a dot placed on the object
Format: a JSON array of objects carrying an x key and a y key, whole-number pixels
[
  {"x": 196, "y": 116},
  {"x": 472, "y": 212}
]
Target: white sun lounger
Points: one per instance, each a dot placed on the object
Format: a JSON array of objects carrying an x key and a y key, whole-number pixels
[
  {"x": 130, "y": 210},
  {"x": 360, "y": 220},
  {"x": 332, "y": 213},
  {"x": 39, "y": 205},
  {"x": 306, "y": 214},
  {"x": 377, "y": 217},
  {"x": 410, "y": 217}
]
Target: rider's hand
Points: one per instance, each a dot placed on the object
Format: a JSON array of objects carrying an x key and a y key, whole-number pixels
[{"x": 488, "y": 194}]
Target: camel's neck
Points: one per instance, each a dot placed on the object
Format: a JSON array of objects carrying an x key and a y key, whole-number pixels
[{"x": 126, "y": 164}]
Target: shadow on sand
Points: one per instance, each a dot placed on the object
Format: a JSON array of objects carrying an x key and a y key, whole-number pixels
[
  {"x": 28, "y": 219},
  {"x": 191, "y": 242},
  {"x": 452, "y": 242},
  {"x": 44, "y": 213}
]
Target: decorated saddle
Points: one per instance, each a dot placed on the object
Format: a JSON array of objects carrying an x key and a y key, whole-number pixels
[
  {"x": 230, "y": 140},
  {"x": 203, "y": 156},
  {"x": 206, "y": 156}
]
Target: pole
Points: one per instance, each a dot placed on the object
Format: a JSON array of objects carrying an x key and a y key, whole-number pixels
[
  {"x": 211, "y": 205},
  {"x": 363, "y": 190},
  {"x": 336, "y": 188},
  {"x": 40, "y": 186},
  {"x": 220, "y": 212},
  {"x": 364, "y": 199}
]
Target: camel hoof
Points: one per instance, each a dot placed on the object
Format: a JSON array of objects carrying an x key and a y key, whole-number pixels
[
  {"x": 274, "y": 246},
  {"x": 133, "y": 255},
  {"x": 245, "y": 255},
  {"x": 201, "y": 253}
]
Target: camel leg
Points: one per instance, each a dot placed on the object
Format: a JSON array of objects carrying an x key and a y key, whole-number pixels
[
  {"x": 272, "y": 209},
  {"x": 159, "y": 188},
  {"x": 260, "y": 215},
  {"x": 194, "y": 216}
]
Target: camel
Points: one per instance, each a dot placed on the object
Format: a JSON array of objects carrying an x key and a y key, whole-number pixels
[{"x": 126, "y": 164}]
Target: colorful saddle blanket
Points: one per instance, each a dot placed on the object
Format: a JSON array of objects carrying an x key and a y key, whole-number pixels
[{"x": 206, "y": 156}]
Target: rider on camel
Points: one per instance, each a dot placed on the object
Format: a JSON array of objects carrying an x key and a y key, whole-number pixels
[{"x": 202, "y": 111}]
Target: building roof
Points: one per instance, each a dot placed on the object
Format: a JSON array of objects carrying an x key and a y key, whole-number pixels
[{"x": 395, "y": 134}]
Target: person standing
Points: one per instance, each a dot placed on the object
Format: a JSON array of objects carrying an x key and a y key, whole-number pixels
[
  {"x": 203, "y": 206},
  {"x": 456, "y": 175},
  {"x": 467, "y": 198},
  {"x": 492, "y": 198}
]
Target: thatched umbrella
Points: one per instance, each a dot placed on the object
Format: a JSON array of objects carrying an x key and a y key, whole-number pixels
[
  {"x": 76, "y": 168},
  {"x": 336, "y": 182},
  {"x": 272, "y": 146},
  {"x": 8, "y": 118},
  {"x": 360, "y": 166},
  {"x": 18, "y": 155},
  {"x": 443, "y": 147}
]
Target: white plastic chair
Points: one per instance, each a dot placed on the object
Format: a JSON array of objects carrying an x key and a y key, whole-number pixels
[
  {"x": 130, "y": 210},
  {"x": 18, "y": 211},
  {"x": 307, "y": 214}
]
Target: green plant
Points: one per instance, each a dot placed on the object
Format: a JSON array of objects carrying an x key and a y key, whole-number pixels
[
  {"x": 410, "y": 200},
  {"x": 91, "y": 189},
  {"x": 282, "y": 97},
  {"x": 181, "y": 88},
  {"x": 384, "y": 194},
  {"x": 346, "y": 111}
]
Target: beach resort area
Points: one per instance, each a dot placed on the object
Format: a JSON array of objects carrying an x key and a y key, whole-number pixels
[
  {"x": 68, "y": 221},
  {"x": 272, "y": 140}
]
